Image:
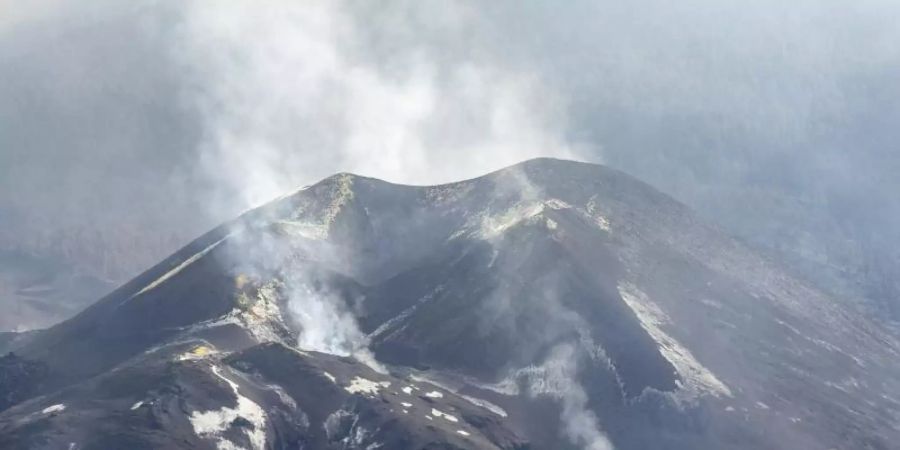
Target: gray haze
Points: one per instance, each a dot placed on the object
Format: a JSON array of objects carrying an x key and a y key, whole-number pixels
[{"x": 128, "y": 128}]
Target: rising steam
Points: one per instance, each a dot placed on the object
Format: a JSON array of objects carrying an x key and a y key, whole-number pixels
[{"x": 287, "y": 98}]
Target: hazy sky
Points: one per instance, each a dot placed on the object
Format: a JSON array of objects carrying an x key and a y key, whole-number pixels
[{"x": 173, "y": 115}]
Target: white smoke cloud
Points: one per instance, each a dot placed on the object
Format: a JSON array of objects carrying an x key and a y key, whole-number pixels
[
  {"x": 325, "y": 325},
  {"x": 324, "y": 321},
  {"x": 557, "y": 378},
  {"x": 287, "y": 96}
]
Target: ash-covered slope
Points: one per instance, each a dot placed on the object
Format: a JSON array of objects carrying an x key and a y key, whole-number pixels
[
  {"x": 555, "y": 304},
  {"x": 268, "y": 396}
]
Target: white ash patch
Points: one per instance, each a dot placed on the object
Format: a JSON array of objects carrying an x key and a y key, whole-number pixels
[
  {"x": 137, "y": 405},
  {"x": 407, "y": 390},
  {"x": 212, "y": 423},
  {"x": 438, "y": 413},
  {"x": 406, "y": 405},
  {"x": 434, "y": 394},
  {"x": 762, "y": 405},
  {"x": 463, "y": 432},
  {"x": 330, "y": 377},
  {"x": 360, "y": 385},
  {"x": 54, "y": 409},
  {"x": 697, "y": 378}
]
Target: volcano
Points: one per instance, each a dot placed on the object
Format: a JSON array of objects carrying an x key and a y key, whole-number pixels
[{"x": 548, "y": 305}]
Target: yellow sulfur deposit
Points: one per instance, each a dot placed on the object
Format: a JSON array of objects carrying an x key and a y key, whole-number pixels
[
  {"x": 241, "y": 280},
  {"x": 201, "y": 350}
]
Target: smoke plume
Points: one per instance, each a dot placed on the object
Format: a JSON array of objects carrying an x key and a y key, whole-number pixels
[{"x": 286, "y": 98}]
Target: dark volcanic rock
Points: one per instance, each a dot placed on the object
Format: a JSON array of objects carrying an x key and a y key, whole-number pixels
[{"x": 20, "y": 379}]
